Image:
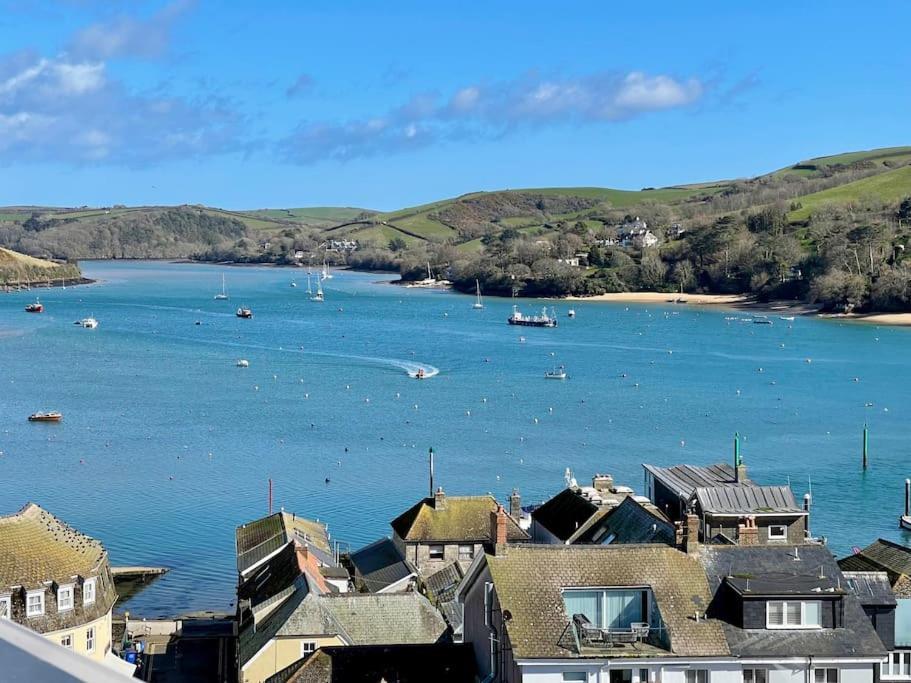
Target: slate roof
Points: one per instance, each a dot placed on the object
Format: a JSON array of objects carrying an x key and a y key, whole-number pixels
[
  {"x": 685, "y": 479},
  {"x": 271, "y": 579},
  {"x": 881, "y": 555},
  {"x": 36, "y": 546},
  {"x": 738, "y": 500},
  {"x": 385, "y": 619},
  {"x": 872, "y": 589},
  {"x": 262, "y": 537},
  {"x": 463, "y": 519},
  {"x": 439, "y": 662},
  {"x": 856, "y": 638},
  {"x": 565, "y": 513},
  {"x": 529, "y": 580},
  {"x": 380, "y": 564},
  {"x": 442, "y": 584},
  {"x": 629, "y": 522}
]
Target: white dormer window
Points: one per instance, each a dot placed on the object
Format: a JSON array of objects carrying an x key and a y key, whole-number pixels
[
  {"x": 88, "y": 592},
  {"x": 65, "y": 598},
  {"x": 34, "y": 603},
  {"x": 6, "y": 606}
]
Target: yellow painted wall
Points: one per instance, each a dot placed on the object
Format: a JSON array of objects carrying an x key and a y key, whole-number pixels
[
  {"x": 278, "y": 654},
  {"x": 102, "y": 628}
]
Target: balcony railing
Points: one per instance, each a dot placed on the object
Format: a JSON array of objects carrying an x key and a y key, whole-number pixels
[{"x": 586, "y": 635}]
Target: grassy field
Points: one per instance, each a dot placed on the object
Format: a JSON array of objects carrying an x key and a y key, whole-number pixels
[
  {"x": 891, "y": 186},
  {"x": 10, "y": 258},
  {"x": 811, "y": 167},
  {"x": 322, "y": 214}
]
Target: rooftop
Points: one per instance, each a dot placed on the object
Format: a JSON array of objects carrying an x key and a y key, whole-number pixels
[
  {"x": 461, "y": 519},
  {"x": 881, "y": 555},
  {"x": 380, "y": 565},
  {"x": 685, "y": 479},
  {"x": 629, "y": 522},
  {"x": 438, "y": 662},
  {"x": 257, "y": 540},
  {"x": 801, "y": 565},
  {"x": 739, "y": 500},
  {"x": 871, "y": 588},
  {"x": 529, "y": 580},
  {"x": 36, "y": 547},
  {"x": 565, "y": 513}
]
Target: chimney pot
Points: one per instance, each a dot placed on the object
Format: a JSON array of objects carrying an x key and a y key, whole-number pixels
[
  {"x": 515, "y": 504},
  {"x": 498, "y": 528},
  {"x": 691, "y": 533}
]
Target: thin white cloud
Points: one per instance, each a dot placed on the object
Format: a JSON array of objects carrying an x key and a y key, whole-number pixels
[{"x": 478, "y": 111}]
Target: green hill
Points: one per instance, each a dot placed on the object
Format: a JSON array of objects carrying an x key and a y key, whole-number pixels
[{"x": 889, "y": 187}]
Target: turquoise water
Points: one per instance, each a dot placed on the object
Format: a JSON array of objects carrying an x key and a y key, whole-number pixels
[{"x": 166, "y": 446}]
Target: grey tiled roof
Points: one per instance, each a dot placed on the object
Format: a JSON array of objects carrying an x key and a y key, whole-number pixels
[
  {"x": 529, "y": 580},
  {"x": 442, "y": 584},
  {"x": 747, "y": 499},
  {"x": 685, "y": 479},
  {"x": 629, "y": 522},
  {"x": 380, "y": 565},
  {"x": 565, "y": 513},
  {"x": 260, "y": 538},
  {"x": 871, "y": 588},
  {"x": 856, "y": 638},
  {"x": 881, "y": 555},
  {"x": 385, "y": 619},
  {"x": 462, "y": 519}
]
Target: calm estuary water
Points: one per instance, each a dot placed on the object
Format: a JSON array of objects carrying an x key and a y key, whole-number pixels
[{"x": 166, "y": 446}]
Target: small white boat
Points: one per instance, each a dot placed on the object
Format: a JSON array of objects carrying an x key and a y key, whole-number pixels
[
  {"x": 243, "y": 363},
  {"x": 556, "y": 373},
  {"x": 89, "y": 323},
  {"x": 293, "y": 283},
  {"x": 223, "y": 294},
  {"x": 571, "y": 313},
  {"x": 478, "y": 304},
  {"x": 789, "y": 318}
]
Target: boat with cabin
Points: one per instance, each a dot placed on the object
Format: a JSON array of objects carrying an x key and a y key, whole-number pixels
[
  {"x": 48, "y": 416},
  {"x": 88, "y": 323},
  {"x": 556, "y": 373},
  {"x": 542, "y": 320},
  {"x": 35, "y": 307},
  {"x": 244, "y": 312}
]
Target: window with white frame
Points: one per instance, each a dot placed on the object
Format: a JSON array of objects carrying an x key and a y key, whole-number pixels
[
  {"x": 466, "y": 552},
  {"x": 778, "y": 532},
  {"x": 696, "y": 676},
  {"x": 67, "y": 640},
  {"x": 825, "y": 675},
  {"x": 90, "y": 639},
  {"x": 755, "y": 676},
  {"x": 793, "y": 614},
  {"x": 88, "y": 592},
  {"x": 897, "y": 666},
  {"x": 34, "y": 603},
  {"x": 6, "y": 607},
  {"x": 64, "y": 598},
  {"x": 437, "y": 552},
  {"x": 308, "y": 647}
]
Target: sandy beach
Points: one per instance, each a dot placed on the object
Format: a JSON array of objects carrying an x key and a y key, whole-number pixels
[
  {"x": 665, "y": 298},
  {"x": 899, "y": 319}
]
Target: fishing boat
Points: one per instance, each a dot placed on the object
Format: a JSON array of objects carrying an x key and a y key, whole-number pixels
[
  {"x": 556, "y": 373},
  {"x": 478, "y": 304},
  {"x": 244, "y": 312},
  {"x": 89, "y": 323},
  {"x": 543, "y": 320},
  {"x": 36, "y": 307},
  {"x": 49, "y": 416},
  {"x": 223, "y": 294}
]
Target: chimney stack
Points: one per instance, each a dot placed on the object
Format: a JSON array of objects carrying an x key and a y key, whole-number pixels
[
  {"x": 602, "y": 482},
  {"x": 439, "y": 499},
  {"x": 498, "y": 528},
  {"x": 515, "y": 504},
  {"x": 691, "y": 534},
  {"x": 748, "y": 532}
]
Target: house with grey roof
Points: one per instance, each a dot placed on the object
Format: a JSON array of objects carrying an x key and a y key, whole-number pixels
[
  {"x": 728, "y": 504},
  {"x": 880, "y": 576},
  {"x": 443, "y": 529}
]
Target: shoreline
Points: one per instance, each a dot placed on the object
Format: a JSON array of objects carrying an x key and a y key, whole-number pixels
[{"x": 9, "y": 288}]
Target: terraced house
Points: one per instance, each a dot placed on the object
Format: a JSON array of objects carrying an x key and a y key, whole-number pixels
[
  {"x": 649, "y": 613},
  {"x": 56, "y": 581}
]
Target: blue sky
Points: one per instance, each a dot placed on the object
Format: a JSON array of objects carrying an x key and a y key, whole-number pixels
[{"x": 383, "y": 105}]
